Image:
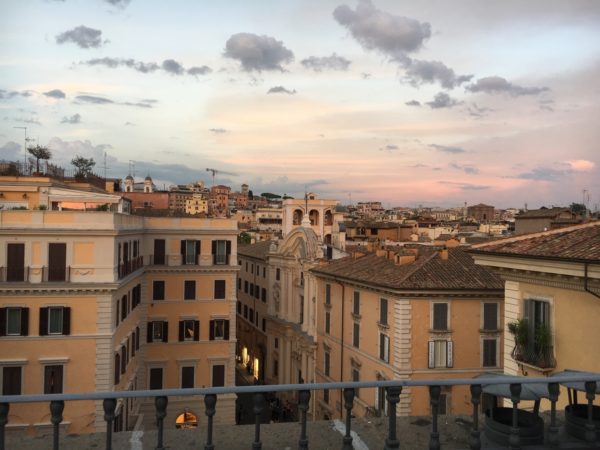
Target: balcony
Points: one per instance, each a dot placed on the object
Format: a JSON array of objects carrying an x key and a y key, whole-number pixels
[
  {"x": 56, "y": 274},
  {"x": 371, "y": 432},
  {"x": 128, "y": 267},
  {"x": 14, "y": 274}
]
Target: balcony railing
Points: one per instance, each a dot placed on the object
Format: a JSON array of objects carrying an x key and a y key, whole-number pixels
[
  {"x": 56, "y": 274},
  {"x": 518, "y": 388},
  {"x": 128, "y": 267},
  {"x": 14, "y": 274}
]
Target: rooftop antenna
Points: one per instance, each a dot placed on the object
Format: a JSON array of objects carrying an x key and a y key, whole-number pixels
[
  {"x": 24, "y": 147},
  {"x": 104, "y": 166},
  {"x": 132, "y": 168}
]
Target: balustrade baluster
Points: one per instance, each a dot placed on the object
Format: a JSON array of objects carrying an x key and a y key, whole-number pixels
[
  {"x": 590, "y": 427},
  {"x": 56, "y": 409},
  {"x": 4, "y": 408},
  {"x": 475, "y": 441},
  {"x": 210, "y": 401},
  {"x": 109, "y": 406},
  {"x": 348, "y": 402},
  {"x": 553, "y": 391},
  {"x": 434, "y": 437},
  {"x": 393, "y": 397},
  {"x": 160, "y": 404},
  {"x": 514, "y": 440},
  {"x": 303, "y": 401},
  {"x": 259, "y": 405}
]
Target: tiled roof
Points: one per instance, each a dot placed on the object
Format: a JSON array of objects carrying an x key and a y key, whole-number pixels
[
  {"x": 542, "y": 213},
  {"x": 581, "y": 242},
  {"x": 258, "y": 250},
  {"x": 429, "y": 271}
]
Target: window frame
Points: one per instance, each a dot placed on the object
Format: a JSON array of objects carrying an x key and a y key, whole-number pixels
[
  {"x": 383, "y": 318},
  {"x": 218, "y": 290},
  {"x": 433, "y": 316},
  {"x": 21, "y": 376},
  {"x": 483, "y": 316},
  {"x": 191, "y": 290},
  {"x": 384, "y": 347},
  {"x": 483, "y": 352},
  {"x": 156, "y": 292}
]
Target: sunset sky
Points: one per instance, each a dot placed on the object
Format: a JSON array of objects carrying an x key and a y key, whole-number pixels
[{"x": 429, "y": 102}]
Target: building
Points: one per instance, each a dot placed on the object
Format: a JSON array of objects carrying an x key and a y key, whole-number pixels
[
  {"x": 219, "y": 200},
  {"x": 416, "y": 312},
  {"x": 552, "y": 280},
  {"x": 269, "y": 219},
  {"x": 481, "y": 213},
  {"x": 381, "y": 231},
  {"x": 320, "y": 213},
  {"x": 120, "y": 303},
  {"x": 544, "y": 219},
  {"x": 196, "y": 204}
]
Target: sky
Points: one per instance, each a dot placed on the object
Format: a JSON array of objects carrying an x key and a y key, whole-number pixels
[{"x": 406, "y": 102}]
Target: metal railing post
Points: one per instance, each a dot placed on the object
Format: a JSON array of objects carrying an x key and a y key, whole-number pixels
[
  {"x": 259, "y": 405},
  {"x": 160, "y": 403},
  {"x": 348, "y": 403},
  {"x": 434, "y": 439},
  {"x": 4, "y": 408},
  {"x": 109, "y": 406},
  {"x": 590, "y": 427},
  {"x": 514, "y": 440},
  {"x": 553, "y": 391},
  {"x": 210, "y": 401},
  {"x": 393, "y": 397},
  {"x": 303, "y": 401},
  {"x": 475, "y": 441},
  {"x": 56, "y": 409}
]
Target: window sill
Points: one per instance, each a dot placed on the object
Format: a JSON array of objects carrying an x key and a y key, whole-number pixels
[
  {"x": 448, "y": 331},
  {"x": 486, "y": 331},
  {"x": 524, "y": 365}
]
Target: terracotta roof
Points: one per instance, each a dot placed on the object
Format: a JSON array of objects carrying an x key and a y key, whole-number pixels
[
  {"x": 258, "y": 250},
  {"x": 542, "y": 213},
  {"x": 429, "y": 271},
  {"x": 581, "y": 242}
]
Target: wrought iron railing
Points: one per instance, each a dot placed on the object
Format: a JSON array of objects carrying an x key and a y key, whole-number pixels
[
  {"x": 128, "y": 267},
  {"x": 12, "y": 274},
  {"x": 56, "y": 274},
  {"x": 393, "y": 390}
]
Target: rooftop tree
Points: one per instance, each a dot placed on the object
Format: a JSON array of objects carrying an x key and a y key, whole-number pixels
[
  {"x": 39, "y": 152},
  {"x": 83, "y": 165}
]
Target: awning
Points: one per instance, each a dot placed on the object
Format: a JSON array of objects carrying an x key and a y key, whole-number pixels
[
  {"x": 529, "y": 391},
  {"x": 577, "y": 385}
]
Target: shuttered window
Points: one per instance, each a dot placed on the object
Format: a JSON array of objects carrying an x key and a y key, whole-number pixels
[
  {"x": 189, "y": 290},
  {"x": 11, "y": 380},
  {"x": 156, "y": 378},
  {"x": 440, "y": 354},
  {"x": 490, "y": 316},
  {"x": 14, "y": 321},
  {"x": 219, "y": 289},
  {"x": 489, "y": 353},
  {"x": 15, "y": 262},
  {"x": 55, "y": 320},
  {"x": 53, "y": 379},
  {"x": 383, "y": 311},
  {"x": 158, "y": 290},
  {"x": 218, "y": 375},
  {"x": 187, "y": 377},
  {"x": 384, "y": 347},
  {"x": 440, "y": 316},
  {"x": 189, "y": 330}
]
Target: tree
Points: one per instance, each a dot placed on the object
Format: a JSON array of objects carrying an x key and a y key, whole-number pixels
[
  {"x": 39, "y": 152},
  {"x": 83, "y": 165},
  {"x": 269, "y": 195},
  {"x": 244, "y": 238},
  {"x": 578, "y": 208}
]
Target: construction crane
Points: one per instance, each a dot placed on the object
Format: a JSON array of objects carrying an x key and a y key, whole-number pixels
[{"x": 216, "y": 171}]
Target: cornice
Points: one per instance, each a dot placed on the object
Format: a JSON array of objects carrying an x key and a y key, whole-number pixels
[{"x": 548, "y": 280}]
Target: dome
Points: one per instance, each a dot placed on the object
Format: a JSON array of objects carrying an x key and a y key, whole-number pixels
[
  {"x": 128, "y": 178},
  {"x": 148, "y": 178}
]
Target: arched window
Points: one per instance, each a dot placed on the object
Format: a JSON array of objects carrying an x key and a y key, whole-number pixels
[
  {"x": 328, "y": 218},
  {"x": 314, "y": 217},
  {"x": 298, "y": 217}
]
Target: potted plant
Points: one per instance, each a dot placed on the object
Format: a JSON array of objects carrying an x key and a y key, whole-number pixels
[
  {"x": 543, "y": 346},
  {"x": 519, "y": 330}
]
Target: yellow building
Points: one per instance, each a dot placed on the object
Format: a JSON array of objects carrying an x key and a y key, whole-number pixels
[
  {"x": 99, "y": 301},
  {"x": 552, "y": 280},
  {"x": 414, "y": 312},
  {"x": 197, "y": 204}
]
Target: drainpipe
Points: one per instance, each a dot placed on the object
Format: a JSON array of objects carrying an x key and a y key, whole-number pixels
[{"x": 585, "y": 281}]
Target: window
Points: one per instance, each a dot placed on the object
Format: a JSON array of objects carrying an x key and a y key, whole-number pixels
[
  {"x": 123, "y": 359},
  {"x": 328, "y": 294},
  {"x": 327, "y": 322},
  {"x": 440, "y": 316},
  {"x": 190, "y": 249},
  {"x": 440, "y": 354},
  {"x": 264, "y": 325},
  {"x": 239, "y": 284},
  {"x": 156, "y": 378},
  {"x": 356, "y": 335},
  {"x": 264, "y": 272},
  {"x": 277, "y": 274},
  {"x": 219, "y": 329},
  {"x": 187, "y": 377},
  {"x": 245, "y": 311},
  {"x": 11, "y": 380},
  {"x": 158, "y": 290},
  {"x": 158, "y": 331},
  {"x": 250, "y": 314},
  {"x": 356, "y": 303},
  {"x": 219, "y": 289},
  {"x": 137, "y": 338},
  {"x": 489, "y": 353},
  {"x": 263, "y": 295},
  {"x": 537, "y": 313},
  {"x": 159, "y": 251},
  {"x": 53, "y": 379},
  {"x": 384, "y": 347},
  {"x": 383, "y": 311},
  {"x": 327, "y": 363},
  {"x": 239, "y": 307},
  {"x": 189, "y": 330},
  {"x": 490, "y": 316},
  {"x": 189, "y": 289},
  {"x": 55, "y": 320},
  {"x": 221, "y": 251},
  {"x": 123, "y": 308},
  {"x": 218, "y": 375},
  {"x": 275, "y": 368},
  {"x": 251, "y": 289},
  {"x": 14, "y": 321},
  {"x": 133, "y": 349},
  {"x": 15, "y": 262},
  {"x": 245, "y": 287},
  {"x": 117, "y": 368},
  {"x": 57, "y": 262},
  {"x": 276, "y": 343}
]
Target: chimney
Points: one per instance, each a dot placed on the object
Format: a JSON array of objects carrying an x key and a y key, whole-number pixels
[
  {"x": 401, "y": 260},
  {"x": 381, "y": 252},
  {"x": 444, "y": 254}
]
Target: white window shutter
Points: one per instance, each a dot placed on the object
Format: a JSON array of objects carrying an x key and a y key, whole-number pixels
[
  {"x": 449, "y": 360},
  {"x": 431, "y": 354}
]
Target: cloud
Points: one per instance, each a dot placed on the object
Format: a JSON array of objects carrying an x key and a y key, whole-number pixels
[
  {"x": 389, "y": 147},
  {"x": 11, "y": 151},
  {"x": 475, "y": 111},
  {"x": 5, "y": 95},
  {"x": 499, "y": 85},
  {"x": 218, "y": 130},
  {"x": 75, "y": 118},
  {"x": 447, "y": 149},
  {"x": 119, "y": 3},
  {"x": 202, "y": 70},
  {"x": 257, "y": 53},
  {"x": 55, "y": 93},
  {"x": 30, "y": 120},
  {"x": 442, "y": 100},
  {"x": 467, "y": 168},
  {"x": 581, "y": 165},
  {"x": 320, "y": 63},
  {"x": 391, "y": 35},
  {"x": 281, "y": 90},
  {"x": 420, "y": 72},
  {"x": 97, "y": 100},
  {"x": 543, "y": 174},
  {"x": 83, "y": 36},
  {"x": 173, "y": 67},
  {"x": 413, "y": 103},
  {"x": 466, "y": 186},
  {"x": 365, "y": 75},
  {"x": 129, "y": 124}
]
